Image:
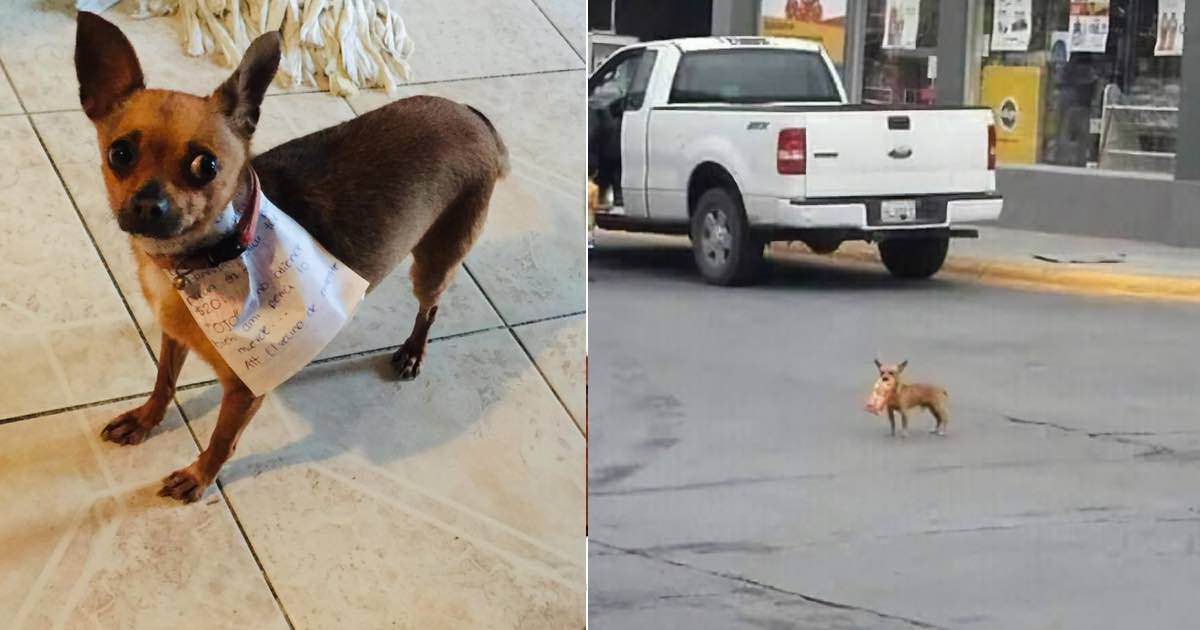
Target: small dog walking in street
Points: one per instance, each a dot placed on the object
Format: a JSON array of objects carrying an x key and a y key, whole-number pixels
[{"x": 891, "y": 393}]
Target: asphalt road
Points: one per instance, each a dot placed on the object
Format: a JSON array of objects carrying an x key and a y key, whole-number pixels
[{"x": 736, "y": 482}]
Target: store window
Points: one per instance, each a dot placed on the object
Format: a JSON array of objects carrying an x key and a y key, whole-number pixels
[
  {"x": 822, "y": 21},
  {"x": 600, "y": 15},
  {"x": 1083, "y": 83},
  {"x": 899, "y": 60}
]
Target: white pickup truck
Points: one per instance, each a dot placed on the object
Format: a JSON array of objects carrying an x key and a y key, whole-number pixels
[{"x": 740, "y": 141}]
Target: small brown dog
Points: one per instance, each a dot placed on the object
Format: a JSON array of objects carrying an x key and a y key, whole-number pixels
[
  {"x": 413, "y": 177},
  {"x": 892, "y": 394}
]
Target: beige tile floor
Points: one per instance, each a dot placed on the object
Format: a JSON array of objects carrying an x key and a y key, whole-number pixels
[{"x": 354, "y": 501}]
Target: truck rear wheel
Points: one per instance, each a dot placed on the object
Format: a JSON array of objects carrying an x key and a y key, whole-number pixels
[
  {"x": 726, "y": 251},
  {"x": 914, "y": 257}
]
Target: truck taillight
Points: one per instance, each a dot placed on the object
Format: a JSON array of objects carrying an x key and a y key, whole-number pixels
[
  {"x": 791, "y": 158},
  {"x": 991, "y": 147}
]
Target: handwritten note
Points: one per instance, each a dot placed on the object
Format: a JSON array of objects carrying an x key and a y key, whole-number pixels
[{"x": 270, "y": 311}]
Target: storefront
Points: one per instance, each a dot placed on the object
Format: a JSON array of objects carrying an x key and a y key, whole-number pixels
[
  {"x": 1087, "y": 95},
  {"x": 616, "y": 23}
]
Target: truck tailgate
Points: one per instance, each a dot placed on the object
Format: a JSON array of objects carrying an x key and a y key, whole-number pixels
[{"x": 897, "y": 152}]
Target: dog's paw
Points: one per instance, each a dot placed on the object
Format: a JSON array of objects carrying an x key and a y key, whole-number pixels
[
  {"x": 904, "y": 435},
  {"x": 941, "y": 432},
  {"x": 186, "y": 485},
  {"x": 130, "y": 427},
  {"x": 407, "y": 362}
]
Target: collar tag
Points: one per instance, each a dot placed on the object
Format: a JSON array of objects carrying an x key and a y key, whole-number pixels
[{"x": 186, "y": 284}]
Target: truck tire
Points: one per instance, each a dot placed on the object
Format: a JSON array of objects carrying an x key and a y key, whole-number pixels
[
  {"x": 727, "y": 253},
  {"x": 914, "y": 257}
]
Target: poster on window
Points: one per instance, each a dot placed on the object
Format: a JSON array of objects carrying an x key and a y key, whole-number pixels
[
  {"x": 900, "y": 24},
  {"x": 1015, "y": 94},
  {"x": 1010, "y": 25},
  {"x": 822, "y": 21},
  {"x": 1088, "y": 25},
  {"x": 1170, "y": 29}
]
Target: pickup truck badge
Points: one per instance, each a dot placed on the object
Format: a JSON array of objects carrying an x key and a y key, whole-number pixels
[
  {"x": 757, "y": 125},
  {"x": 900, "y": 152}
]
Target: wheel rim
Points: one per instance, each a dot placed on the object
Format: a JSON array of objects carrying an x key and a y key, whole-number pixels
[{"x": 716, "y": 240}]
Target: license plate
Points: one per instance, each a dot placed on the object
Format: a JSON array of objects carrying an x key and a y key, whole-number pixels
[{"x": 898, "y": 211}]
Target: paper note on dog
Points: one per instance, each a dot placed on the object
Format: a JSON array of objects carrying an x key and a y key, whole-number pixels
[
  {"x": 877, "y": 401},
  {"x": 271, "y": 310}
]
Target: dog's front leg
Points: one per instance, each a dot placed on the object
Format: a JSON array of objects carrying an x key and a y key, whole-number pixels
[
  {"x": 134, "y": 425},
  {"x": 892, "y": 419},
  {"x": 238, "y": 406},
  {"x": 407, "y": 360}
]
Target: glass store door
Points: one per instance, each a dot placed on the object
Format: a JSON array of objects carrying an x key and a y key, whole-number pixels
[{"x": 899, "y": 60}]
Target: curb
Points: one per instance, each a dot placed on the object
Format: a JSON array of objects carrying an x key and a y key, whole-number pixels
[{"x": 1049, "y": 276}]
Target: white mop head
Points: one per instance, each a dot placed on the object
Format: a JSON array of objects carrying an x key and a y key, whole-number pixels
[{"x": 343, "y": 45}]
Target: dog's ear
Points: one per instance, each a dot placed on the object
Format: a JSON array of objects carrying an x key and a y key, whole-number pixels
[
  {"x": 878, "y": 365},
  {"x": 105, "y": 64},
  {"x": 903, "y": 364},
  {"x": 240, "y": 96}
]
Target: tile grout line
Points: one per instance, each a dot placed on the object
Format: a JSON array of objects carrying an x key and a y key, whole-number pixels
[
  {"x": 386, "y": 349},
  {"x": 278, "y": 94},
  {"x": 525, "y": 350},
  {"x": 96, "y": 246},
  {"x": 70, "y": 408},
  {"x": 236, "y": 521},
  {"x": 558, "y": 396},
  {"x": 13, "y": 86},
  {"x": 559, "y": 31},
  {"x": 211, "y": 381}
]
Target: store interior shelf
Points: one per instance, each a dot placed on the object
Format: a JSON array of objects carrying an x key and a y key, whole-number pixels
[{"x": 1138, "y": 130}]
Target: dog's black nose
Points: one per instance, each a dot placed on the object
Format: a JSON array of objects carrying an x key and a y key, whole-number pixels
[
  {"x": 148, "y": 212},
  {"x": 150, "y": 203}
]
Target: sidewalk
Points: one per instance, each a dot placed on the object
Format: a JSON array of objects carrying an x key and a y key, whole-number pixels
[{"x": 1077, "y": 264}]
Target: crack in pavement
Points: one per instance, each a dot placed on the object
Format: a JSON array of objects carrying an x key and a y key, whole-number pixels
[
  {"x": 1122, "y": 437},
  {"x": 606, "y": 479},
  {"x": 704, "y": 485},
  {"x": 745, "y": 580}
]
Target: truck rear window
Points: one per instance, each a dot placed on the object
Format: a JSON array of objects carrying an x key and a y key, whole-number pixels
[{"x": 753, "y": 76}]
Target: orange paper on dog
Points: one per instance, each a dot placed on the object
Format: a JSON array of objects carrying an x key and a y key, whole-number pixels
[
  {"x": 271, "y": 310},
  {"x": 877, "y": 401}
]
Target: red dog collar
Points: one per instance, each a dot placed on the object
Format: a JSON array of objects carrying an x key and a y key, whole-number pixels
[{"x": 224, "y": 250}]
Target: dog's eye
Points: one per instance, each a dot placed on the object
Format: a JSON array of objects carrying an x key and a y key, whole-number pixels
[
  {"x": 203, "y": 168},
  {"x": 121, "y": 155}
]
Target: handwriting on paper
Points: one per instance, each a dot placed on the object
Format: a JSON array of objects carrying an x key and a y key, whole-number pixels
[{"x": 270, "y": 311}]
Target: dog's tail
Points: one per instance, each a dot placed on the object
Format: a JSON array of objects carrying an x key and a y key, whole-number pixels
[{"x": 505, "y": 167}]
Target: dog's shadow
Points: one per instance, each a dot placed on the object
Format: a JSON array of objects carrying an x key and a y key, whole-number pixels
[{"x": 358, "y": 405}]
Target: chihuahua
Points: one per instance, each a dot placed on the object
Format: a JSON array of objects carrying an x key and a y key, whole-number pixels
[
  {"x": 896, "y": 396},
  {"x": 412, "y": 177}
]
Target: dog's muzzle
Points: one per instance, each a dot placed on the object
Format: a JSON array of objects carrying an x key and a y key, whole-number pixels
[{"x": 149, "y": 213}]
